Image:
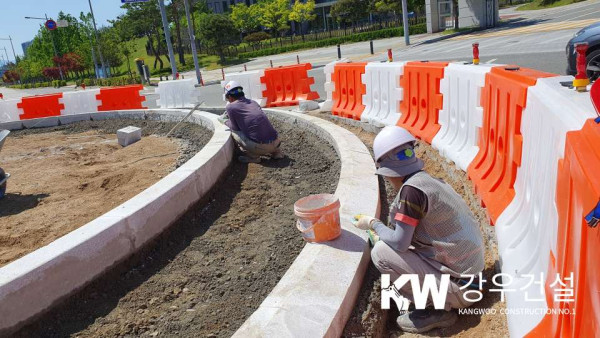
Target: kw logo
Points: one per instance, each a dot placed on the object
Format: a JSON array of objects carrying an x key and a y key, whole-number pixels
[{"x": 420, "y": 294}]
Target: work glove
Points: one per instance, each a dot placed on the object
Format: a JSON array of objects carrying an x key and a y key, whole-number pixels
[
  {"x": 223, "y": 118},
  {"x": 364, "y": 222}
]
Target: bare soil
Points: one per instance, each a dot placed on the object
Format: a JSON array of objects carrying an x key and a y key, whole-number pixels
[
  {"x": 66, "y": 176},
  {"x": 215, "y": 265},
  {"x": 368, "y": 319}
]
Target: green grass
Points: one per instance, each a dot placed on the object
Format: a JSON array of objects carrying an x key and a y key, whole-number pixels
[
  {"x": 537, "y": 4},
  {"x": 207, "y": 62},
  {"x": 453, "y": 30}
]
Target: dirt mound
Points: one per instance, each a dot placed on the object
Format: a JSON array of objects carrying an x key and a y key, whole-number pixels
[
  {"x": 66, "y": 176},
  {"x": 216, "y": 264}
]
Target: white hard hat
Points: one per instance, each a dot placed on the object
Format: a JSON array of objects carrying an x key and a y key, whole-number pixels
[
  {"x": 231, "y": 85},
  {"x": 394, "y": 153}
]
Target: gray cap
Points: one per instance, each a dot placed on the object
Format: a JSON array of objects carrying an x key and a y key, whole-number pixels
[{"x": 399, "y": 162}]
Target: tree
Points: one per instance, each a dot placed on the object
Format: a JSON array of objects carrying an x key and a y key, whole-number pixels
[
  {"x": 246, "y": 19},
  {"x": 176, "y": 6},
  {"x": 217, "y": 31},
  {"x": 303, "y": 12},
  {"x": 349, "y": 11},
  {"x": 385, "y": 7},
  {"x": 275, "y": 15},
  {"x": 144, "y": 20}
]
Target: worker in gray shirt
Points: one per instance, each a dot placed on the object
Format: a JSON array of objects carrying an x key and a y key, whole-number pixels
[
  {"x": 250, "y": 127},
  {"x": 433, "y": 232}
]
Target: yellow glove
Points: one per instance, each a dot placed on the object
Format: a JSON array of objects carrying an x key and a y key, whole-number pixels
[{"x": 364, "y": 222}]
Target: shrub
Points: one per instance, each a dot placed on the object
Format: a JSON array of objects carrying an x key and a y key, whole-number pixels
[
  {"x": 380, "y": 34},
  {"x": 256, "y": 37}
]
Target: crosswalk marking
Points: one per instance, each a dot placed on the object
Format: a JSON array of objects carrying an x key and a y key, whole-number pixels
[{"x": 543, "y": 27}]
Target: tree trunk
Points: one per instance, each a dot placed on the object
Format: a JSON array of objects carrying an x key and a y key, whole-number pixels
[
  {"x": 455, "y": 3},
  {"x": 154, "y": 51},
  {"x": 129, "y": 66},
  {"x": 178, "y": 29},
  {"x": 158, "y": 50}
]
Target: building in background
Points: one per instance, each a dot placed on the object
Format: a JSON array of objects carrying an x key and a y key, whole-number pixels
[
  {"x": 26, "y": 45},
  {"x": 471, "y": 13}
]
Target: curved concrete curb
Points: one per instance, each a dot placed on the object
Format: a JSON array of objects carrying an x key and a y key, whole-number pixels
[
  {"x": 316, "y": 295},
  {"x": 34, "y": 283}
]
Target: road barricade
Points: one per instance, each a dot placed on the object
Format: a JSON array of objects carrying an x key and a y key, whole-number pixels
[
  {"x": 494, "y": 169},
  {"x": 250, "y": 81},
  {"x": 348, "y": 89},
  {"x": 287, "y": 85},
  {"x": 329, "y": 86},
  {"x": 119, "y": 98},
  {"x": 40, "y": 106},
  {"x": 527, "y": 228},
  {"x": 83, "y": 101},
  {"x": 177, "y": 93},
  {"x": 578, "y": 247},
  {"x": 9, "y": 111},
  {"x": 383, "y": 96},
  {"x": 461, "y": 115},
  {"x": 422, "y": 99}
]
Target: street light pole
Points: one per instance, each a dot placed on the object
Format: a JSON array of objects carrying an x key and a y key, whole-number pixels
[
  {"x": 97, "y": 40},
  {"x": 13, "y": 47},
  {"x": 405, "y": 22},
  {"x": 163, "y": 13},
  {"x": 193, "y": 41}
]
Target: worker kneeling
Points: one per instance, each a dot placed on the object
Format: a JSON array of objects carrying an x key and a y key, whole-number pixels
[
  {"x": 250, "y": 126},
  {"x": 434, "y": 232}
]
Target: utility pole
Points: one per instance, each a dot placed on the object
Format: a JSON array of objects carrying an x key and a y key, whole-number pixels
[
  {"x": 405, "y": 22},
  {"x": 193, "y": 41},
  {"x": 97, "y": 41},
  {"x": 163, "y": 14}
]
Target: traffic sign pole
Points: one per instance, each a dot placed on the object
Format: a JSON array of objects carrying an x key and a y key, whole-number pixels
[
  {"x": 163, "y": 13},
  {"x": 55, "y": 52}
]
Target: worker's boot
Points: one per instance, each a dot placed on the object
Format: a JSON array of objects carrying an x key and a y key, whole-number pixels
[
  {"x": 248, "y": 159},
  {"x": 419, "y": 321}
]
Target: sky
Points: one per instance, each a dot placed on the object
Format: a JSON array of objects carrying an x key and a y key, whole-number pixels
[{"x": 13, "y": 13}]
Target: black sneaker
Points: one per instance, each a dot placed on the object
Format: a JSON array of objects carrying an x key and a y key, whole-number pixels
[{"x": 419, "y": 321}]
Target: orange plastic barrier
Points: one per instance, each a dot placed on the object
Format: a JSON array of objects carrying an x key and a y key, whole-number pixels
[
  {"x": 124, "y": 97},
  {"x": 40, "y": 106},
  {"x": 287, "y": 85},
  {"x": 578, "y": 240},
  {"x": 494, "y": 169},
  {"x": 422, "y": 99},
  {"x": 348, "y": 89}
]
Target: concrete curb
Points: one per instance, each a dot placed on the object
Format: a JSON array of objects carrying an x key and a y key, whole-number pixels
[
  {"x": 316, "y": 295},
  {"x": 34, "y": 283}
]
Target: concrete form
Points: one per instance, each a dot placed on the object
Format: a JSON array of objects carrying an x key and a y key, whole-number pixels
[{"x": 34, "y": 283}]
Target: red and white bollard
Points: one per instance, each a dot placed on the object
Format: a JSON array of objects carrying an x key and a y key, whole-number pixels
[
  {"x": 390, "y": 56},
  {"x": 177, "y": 76},
  {"x": 581, "y": 80},
  {"x": 83, "y": 86},
  {"x": 1, "y": 96},
  {"x": 476, "y": 53}
]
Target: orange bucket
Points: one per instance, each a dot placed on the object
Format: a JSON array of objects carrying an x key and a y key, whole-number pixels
[{"x": 318, "y": 217}]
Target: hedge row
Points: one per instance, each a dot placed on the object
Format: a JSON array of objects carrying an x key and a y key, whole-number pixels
[
  {"x": 112, "y": 81},
  {"x": 54, "y": 83},
  {"x": 380, "y": 34}
]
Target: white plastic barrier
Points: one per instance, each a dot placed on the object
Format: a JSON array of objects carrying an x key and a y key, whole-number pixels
[
  {"x": 383, "y": 96},
  {"x": 177, "y": 93},
  {"x": 9, "y": 111},
  {"x": 329, "y": 85},
  {"x": 461, "y": 115},
  {"x": 250, "y": 81},
  {"x": 78, "y": 102},
  {"x": 527, "y": 229}
]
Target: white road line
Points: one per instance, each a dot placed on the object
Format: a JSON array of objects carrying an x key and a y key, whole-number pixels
[
  {"x": 586, "y": 14},
  {"x": 490, "y": 61}
]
